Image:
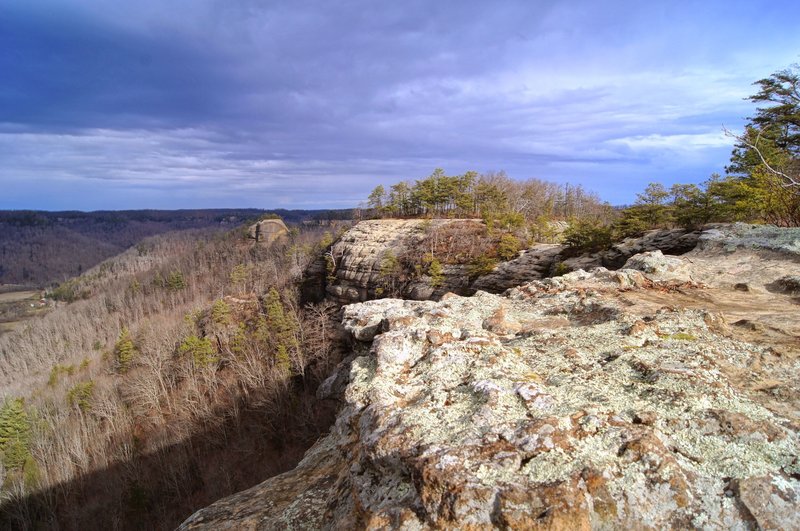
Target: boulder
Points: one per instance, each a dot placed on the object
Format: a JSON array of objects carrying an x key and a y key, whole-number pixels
[
  {"x": 660, "y": 267},
  {"x": 267, "y": 231}
]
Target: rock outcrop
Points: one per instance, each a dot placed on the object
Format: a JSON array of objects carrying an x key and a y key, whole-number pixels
[
  {"x": 267, "y": 231},
  {"x": 361, "y": 252},
  {"x": 533, "y": 264},
  {"x": 655, "y": 396},
  {"x": 361, "y": 255},
  {"x": 668, "y": 241}
]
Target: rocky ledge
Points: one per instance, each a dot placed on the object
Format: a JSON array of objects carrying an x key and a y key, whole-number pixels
[
  {"x": 359, "y": 256},
  {"x": 661, "y": 395}
]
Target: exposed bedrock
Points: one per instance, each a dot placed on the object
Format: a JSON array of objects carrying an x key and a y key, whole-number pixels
[
  {"x": 628, "y": 399},
  {"x": 361, "y": 254}
]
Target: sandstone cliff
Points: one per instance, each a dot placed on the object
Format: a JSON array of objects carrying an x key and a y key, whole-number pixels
[
  {"x": 361, "y": 253},
  {"x": 662, "y": 395},
  {"x": 267, "y": 231}
]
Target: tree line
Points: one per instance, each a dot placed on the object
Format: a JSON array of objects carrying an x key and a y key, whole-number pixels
[
  {"x": 491, "y": 194},
  {"x": 761, "y": 185}
]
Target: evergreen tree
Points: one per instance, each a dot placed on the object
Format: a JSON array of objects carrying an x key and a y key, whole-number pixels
[
  {"x": 124, "y": 350},
  {"x": 435, "y": 272},
  {"x": 282, "y": 327},
  {"x": 220, "y": 312},
  {"x": 377, "y": 199},
  {"x": 15, "y": 432},
  {"x": 766, "y": 158},
  {"x": 652, "y": 203},
  {"x": 200, "y": 349}
]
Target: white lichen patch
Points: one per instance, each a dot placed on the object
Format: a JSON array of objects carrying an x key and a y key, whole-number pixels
[
  {"x": 719, "y": 457},
  {"x": 639, "y": 401}
]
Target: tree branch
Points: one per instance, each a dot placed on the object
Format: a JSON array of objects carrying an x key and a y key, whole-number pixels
[{"x": 788, "y": 181}]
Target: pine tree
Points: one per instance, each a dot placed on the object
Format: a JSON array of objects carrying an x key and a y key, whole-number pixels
[
  {"x": 220, "y": 312},
  {"x": 15, "y": 432},
  {"x": 200, "y": 349},
  {"x": 283, "y": 327},
  {"x": 124, "y": 350},
  {"x": 435, "y": 272}
]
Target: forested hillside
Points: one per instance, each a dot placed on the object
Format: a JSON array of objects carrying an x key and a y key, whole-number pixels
[
  {"x": 38, "y": 248},
  {"x": 185, "y": 371}
]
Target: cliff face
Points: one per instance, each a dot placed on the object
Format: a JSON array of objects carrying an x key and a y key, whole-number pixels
[
  {"x": 363, "y": 253},
  {"x": 360, "y": 259},
  {"x": 665, "y": 394}
]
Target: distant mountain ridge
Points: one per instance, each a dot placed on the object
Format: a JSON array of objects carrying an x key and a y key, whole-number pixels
[{"x": 39, "y": 247}]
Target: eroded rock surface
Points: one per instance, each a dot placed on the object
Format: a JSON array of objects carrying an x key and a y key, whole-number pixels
[{"x": 629, "y": 399}]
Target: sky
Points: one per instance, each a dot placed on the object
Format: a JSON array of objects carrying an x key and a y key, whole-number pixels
[{"x": 311, "y": 104}]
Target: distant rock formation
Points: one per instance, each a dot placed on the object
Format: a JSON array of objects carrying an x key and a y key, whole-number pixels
[
  {"x": 660, "y": 395},
  {"x": 267, "y": 231}
]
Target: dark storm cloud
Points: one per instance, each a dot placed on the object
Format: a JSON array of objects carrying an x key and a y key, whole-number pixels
[{"x": 194, "y": 103}]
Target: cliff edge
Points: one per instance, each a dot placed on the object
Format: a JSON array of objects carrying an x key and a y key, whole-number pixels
[{"x": 664, "y": 394}]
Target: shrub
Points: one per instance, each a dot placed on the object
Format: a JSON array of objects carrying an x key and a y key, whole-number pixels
[
  {"x": 631, "y": 224},
  {"x": 57, "y": 371},
  {"x": 481, "y": 265},
  {"x": 587, "y": 236},
  {"x": 330, "y": 268},
  {"x": 508, "y": 247},
  {"x": 435, "y": 272},
  {"x": 559, "y": 269}
]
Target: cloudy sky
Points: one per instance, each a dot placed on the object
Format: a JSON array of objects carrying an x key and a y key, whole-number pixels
[{"x": 311, "y": 103}]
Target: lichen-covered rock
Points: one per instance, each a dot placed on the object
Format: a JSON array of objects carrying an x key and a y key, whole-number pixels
[
  {"x": 605, "y": 399},
  {"x": 730, "y": 237},
  {"x": 660, "y": 267}
]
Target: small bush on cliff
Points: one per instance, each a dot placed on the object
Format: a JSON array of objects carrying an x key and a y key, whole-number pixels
[
  {"x": 435, "y": 272},
  {"x": 508, "y": 247},
  {"x": 481, "y": 265},
  {"x": 587, "y": 236}
]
